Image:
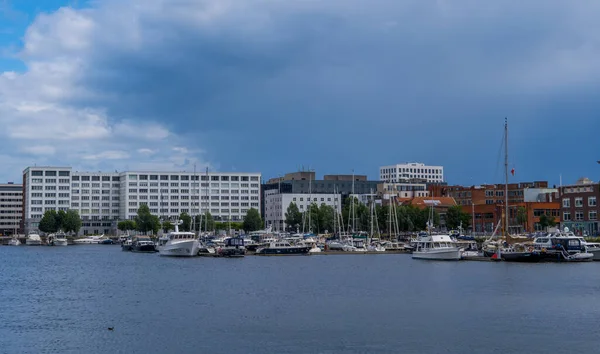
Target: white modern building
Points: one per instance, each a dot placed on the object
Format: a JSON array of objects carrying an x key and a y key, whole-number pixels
[
  {"x": 11, "y": 208},
  {"x": 402, "y": 190},
  {"x": 102, "y": 199},
  {"x": 276, "y": 205},
  {"x": 411, "y": 171}
]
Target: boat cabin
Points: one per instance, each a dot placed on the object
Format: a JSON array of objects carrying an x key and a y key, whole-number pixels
[{"x": 234, "y": 242}]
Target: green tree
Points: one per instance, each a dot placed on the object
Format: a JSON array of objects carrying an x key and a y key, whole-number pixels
[
  {"x": 455, "y": 217},
  {"x": 48, "y": 222},
  {"x": 237, "y": 225},
  {"x": 325, "y": 219},
  {"x": 522, "y": 217},
  {"x": 71, "y": 222},
  {"x": 219, "y": 225},
  {"x": 167, "y": 226},
  {"x": 205, "y": 220},
  {"x": 145, "y": 221},
  {"x": 544, "y": 222},
  {"x": 383, "y": 213},
  {"x": 293, "y": 217},
  {"x": 186, "y": 224},
  {"x": 126, "y": 225},
  {"x": 61, "y": 216},
  {"x": 551, "y": 221},
  {"x": 252, "y": 221}
]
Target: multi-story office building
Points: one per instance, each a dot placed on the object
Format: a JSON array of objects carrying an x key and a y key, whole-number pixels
[
  {"x": 386, "y": 191},
  {"x": 493, "y": 193},
  {"x": 104, "y": 198},
  {"x": 96, "y": 197},
  {"x": 11, "y": 208},
  {"x": 410, "y": 172},
  {"x": 227, "y": 196},
  {"x": 44, "y": 188},
  {"x": 276, "y": 205}
]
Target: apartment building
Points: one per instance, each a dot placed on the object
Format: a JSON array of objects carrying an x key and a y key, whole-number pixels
[
  {"x": 102, "y": 199},
  {"x": 491, "y": 194},
  {"x": 579, "y": 207},
  {"x": 11, "y": 208},
  {"x": 411, "y": 171}
]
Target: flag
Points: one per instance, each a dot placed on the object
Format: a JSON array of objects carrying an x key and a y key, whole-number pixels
[{"x": 512, "y": 171}]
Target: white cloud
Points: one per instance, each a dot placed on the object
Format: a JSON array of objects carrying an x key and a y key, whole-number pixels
[
  {"x": 39, "y": 150},
  {"x": 108, "y": 155},
  {"x": 146, "y": 151}
]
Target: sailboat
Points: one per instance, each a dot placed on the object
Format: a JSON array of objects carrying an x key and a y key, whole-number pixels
[{"x": 511, "y": 253}]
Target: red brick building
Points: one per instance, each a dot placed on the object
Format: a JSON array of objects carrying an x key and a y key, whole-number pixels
[
  {"x": 487, "y": 216},
  {"x": 579, "y": 206}
]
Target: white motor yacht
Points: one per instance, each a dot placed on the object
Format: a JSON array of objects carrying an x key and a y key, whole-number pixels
[
  {"x": 58, "y": 239},
  {"x": 90, "y": 240},
  {"x": 14, "y": 241},
  {"x": 33, "y": 239},
  {"x": 179, "y": 244},
  {"x": 436, "y": 247}
]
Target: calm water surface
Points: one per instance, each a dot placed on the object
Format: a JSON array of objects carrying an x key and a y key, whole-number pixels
[{"x": 62, "y": 300}]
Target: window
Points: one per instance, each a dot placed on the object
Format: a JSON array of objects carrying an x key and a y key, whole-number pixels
[
  {"x": 566, "y": 202},
  {"x": 593, "y": 215},
  {"x": 51, "y": 173},
  {"x": 36, "y": 173},
  {"x": 578, "y": 202},
  {"x": 566, "y": 216},
  {"x": 579, "y": 215},
  {"x": 591, "y": 201}
]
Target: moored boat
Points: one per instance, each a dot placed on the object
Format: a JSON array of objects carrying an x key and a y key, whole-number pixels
[
  {"x": 14, "y": 241},
  {"x": 234, "y": 247},
  {"x": 58, "y": 239},
  {"x": 436, "y": 247},
  {"x": 33, "y": 239},
  {"x": 179, "y": 244},
  {"x": 142, "y": 244},
  {"x": 283, "y": 248}
]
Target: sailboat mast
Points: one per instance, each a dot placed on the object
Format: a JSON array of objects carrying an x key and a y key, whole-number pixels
[
  {"x": 506, "y": 174},
  {"x": 309, "y": 201},
  {"x": 353, "y": 211},
  {"x": 207, "y": 202}
]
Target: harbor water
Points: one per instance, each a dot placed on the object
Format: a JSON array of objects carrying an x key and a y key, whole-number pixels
[{"x": 64, "y": 299}]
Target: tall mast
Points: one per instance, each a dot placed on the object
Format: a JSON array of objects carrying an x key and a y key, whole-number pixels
[
  {"x": 309, "y": 201},
  {"x": 194, "y": 210},
  {"x": 506, "y": 173},
  {"x": 207, "y": 202},
  {"x": 352, "y": 206}
]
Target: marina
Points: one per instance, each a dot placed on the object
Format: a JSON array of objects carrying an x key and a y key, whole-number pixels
[{"x": 388, "y": 293}]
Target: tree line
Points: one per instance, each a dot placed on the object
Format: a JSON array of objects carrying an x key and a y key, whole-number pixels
[
  {"x": 68, "y": 221},
  {"x": 409, "y": 218},
  {"x": 145, "y": 222}
]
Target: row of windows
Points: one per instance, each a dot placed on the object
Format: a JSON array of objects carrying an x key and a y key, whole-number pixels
[
  {"x": 177, "y": 211},
  {"x": 592, "y": 215},
  {"x": 435, "y": 171},
  {"x": 566, "y": 202},
  {"x": 133, "y": 177},
  {"x": 97, "y": 178},
  {"x": 38, "y": 173},
  {"x": 95, "y": 197}
]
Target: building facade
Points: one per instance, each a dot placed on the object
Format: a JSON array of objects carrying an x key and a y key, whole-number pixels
[
  {"x": 11, "y": 208},
  {"x": 102, "y": 199},
  {"x": 411, "y": 171},
  {"x": 485, "y": 217},
  {"x": 490, "y": 194},
  {"x": 276, "y": 205},
  {"x": 579, "y": 207},
  {"x": 386, "y": 190}
]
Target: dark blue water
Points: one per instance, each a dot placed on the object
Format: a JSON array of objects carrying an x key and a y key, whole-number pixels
[{"x": 62, "y": 300}]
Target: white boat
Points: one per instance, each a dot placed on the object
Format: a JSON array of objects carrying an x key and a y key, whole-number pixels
[
  {"x": 179, "y": 244},
  {"x": 90, "y": 240},
  {"x": 593, "y": 248},
  {"x": 58, "y": 239},
  {"x": 33, "y": 239},
  {"x": 436, "y": 247},
  {"x": 14, "y": 242}
]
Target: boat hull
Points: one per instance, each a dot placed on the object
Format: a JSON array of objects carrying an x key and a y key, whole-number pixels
[
  {"x": 59, "y": 242},
  {"x": 187, "y": 248},
  {"x": 287, "y": 251},
  {"x": 33, "y": 242},
  {"x": 438, "y": 254},
  {"x": 14, "y": 242},
  {"x": 523, "y": 257},
  {"x": 231, "y": 252},
  {"x": 143, "y": 249}
]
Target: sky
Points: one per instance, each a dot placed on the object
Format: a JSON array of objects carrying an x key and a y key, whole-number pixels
[{"x": 275, "y": 86}]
